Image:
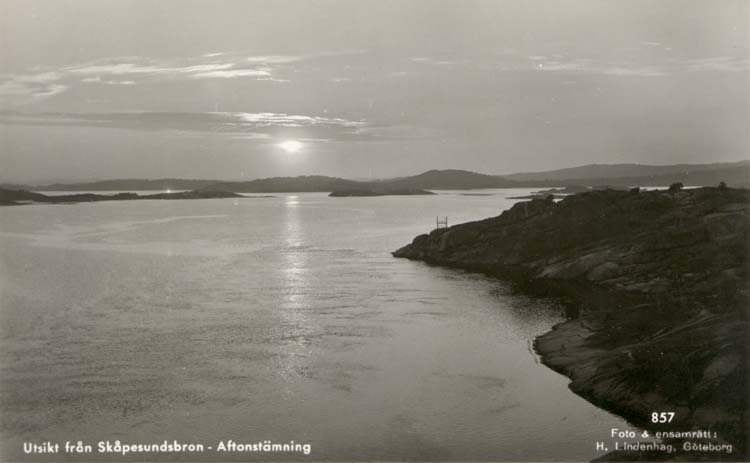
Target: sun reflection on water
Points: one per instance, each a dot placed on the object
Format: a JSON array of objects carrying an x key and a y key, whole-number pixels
[
  {"x": 295, "y": 274},
  {"x": 294, "y": 257}
]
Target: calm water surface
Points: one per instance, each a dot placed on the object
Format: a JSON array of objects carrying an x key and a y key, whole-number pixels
[{"x": 280, "y": 318}]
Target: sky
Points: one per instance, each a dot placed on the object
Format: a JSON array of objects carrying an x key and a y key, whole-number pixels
[{"x": 366, "y": 88}]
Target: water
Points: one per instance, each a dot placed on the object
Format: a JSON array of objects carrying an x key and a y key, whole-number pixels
[{"x": 281, "y": 318}]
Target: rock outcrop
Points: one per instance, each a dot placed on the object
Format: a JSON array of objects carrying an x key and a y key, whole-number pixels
[{"x": 656, "y": 286}]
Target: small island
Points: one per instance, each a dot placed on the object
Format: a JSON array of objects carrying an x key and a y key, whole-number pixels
[
  {"x": 10, "y": 197},
  {"x": 655, "y": 285}
]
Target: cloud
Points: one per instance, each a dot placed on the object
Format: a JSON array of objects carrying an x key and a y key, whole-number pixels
[
  {"x": 584, "y": 65},
  {"x": 555, "y": 65},
  {"x": 41, "y": 78},
  {"x": 98, "y": 80},
  {"x": 115, "y": 69},
  {"x": 202, "y": 68},
  {"x": 42, "y": 83},
  {"x": 643, "y": 71},
  {"x": 11, "y": 88},
  {"x": 26, "y": 89},
  {"x": 260, "y": 127},
  {"x": 621, "y": 69},
  {"x": 31, "y": 85},
  {"x": 166, "y": 70},
  {"x": 252, "y": 136},
  {"x": 237, "y": 125},
  {"x": 273, "y": 59},
  {"x": 719, "y": 63},
  {"x": 232, "y": 73},
  {"x": 435, "y": 61},
  {"x": 513, "y": 62},
  {"x": 50, "y": 90},
  {"x": 290, "y": 120},
  {"x": 128, "y": 71}
]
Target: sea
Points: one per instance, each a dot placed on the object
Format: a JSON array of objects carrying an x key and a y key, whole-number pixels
[{"x": 278, "y": 319}]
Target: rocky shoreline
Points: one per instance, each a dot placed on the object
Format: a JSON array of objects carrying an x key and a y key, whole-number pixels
[{"x": 656, "y": 288}]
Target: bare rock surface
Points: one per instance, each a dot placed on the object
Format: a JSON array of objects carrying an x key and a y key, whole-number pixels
[{"x": 656, "y": 284}]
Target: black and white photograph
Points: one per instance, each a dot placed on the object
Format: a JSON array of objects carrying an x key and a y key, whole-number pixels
[{"x": 374, "y": 230}]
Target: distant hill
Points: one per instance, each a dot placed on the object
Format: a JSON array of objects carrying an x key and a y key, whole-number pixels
[
  {"x": 451, "y": 179},
  {"x": 631, "y": 171},
  {"x": 432, "y": 179},
  {"x": 128, "y": 185},
  {"x": 16, "y": 186},
  {"x": 735, "y": 174}
]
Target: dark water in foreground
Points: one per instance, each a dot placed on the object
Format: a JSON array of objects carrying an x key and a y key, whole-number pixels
[{"x": 278, "y": 318}]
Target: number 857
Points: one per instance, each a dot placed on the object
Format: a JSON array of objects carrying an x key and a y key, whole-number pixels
[{"x": 662, "y": 417}]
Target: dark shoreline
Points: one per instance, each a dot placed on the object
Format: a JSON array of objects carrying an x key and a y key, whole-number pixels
[
  {"x": 20, "y": 197},
  {"x": 656, "y": 286}
]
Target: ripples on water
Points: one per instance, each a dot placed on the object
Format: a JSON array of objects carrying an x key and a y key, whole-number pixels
[{"x": 279, "y": 318}]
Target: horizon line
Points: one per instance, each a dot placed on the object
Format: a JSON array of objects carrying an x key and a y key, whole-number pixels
[{"x": 38, "y": 183}]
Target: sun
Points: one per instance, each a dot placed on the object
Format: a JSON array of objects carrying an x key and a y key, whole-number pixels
[{"x": 290, "y": 146}]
